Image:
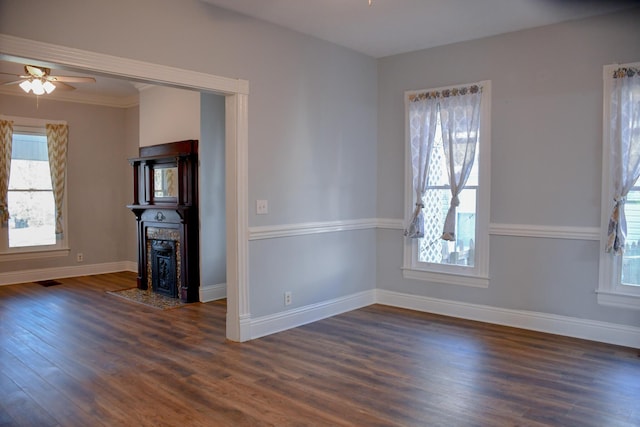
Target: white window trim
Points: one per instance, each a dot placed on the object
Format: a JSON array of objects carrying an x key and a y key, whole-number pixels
[
  {"x": 478, "y": 275},
  {"x": 610, "y": 291},
  {"x": 29, "y": 125}
]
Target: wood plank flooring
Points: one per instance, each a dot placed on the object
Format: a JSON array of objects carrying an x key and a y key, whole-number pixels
[{"x": 72, "y": 355}]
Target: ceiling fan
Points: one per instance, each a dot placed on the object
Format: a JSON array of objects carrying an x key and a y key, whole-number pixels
[{"x": 40, "y": 81}]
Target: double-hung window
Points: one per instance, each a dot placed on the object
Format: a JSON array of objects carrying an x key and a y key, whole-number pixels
[
  {"x": 447, "y": 184},
  {"x": 619, "y": 277},
  {"x": 34, "y": 215}
]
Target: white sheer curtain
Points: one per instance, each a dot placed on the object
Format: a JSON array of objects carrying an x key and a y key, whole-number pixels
[
  {"x": 624, "y": 140},
  {"x": 423, "y": 116},
  {"x": 460, "y": 118}
]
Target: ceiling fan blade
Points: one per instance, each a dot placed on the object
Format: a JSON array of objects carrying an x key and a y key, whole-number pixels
[
  {"x": 15, "y": 82},
  {"x": 71, "y": 79},
  {"x": 12, "y": 75},
  {"x": 63, "y": 86}
]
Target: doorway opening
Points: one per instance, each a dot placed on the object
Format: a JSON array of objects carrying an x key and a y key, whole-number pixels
[{"x": 235, "y": 94}]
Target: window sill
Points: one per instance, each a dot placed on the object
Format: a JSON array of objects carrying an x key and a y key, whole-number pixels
[
  {"x": 33, "y": 254},
  {"x": 446, "y": 278},
  {"x": 619, "y": 299}
]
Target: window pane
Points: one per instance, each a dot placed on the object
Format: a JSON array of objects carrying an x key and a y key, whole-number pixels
[
  {"x": 631, "y": 257},
  {"x": 29, "y": 163},
  {"x": 432, "y": 248},
  {"x": 32, "y": 218},
  {"x": 31, "y": 205},
  {"x": 30, "y": 175},
  {"x": 29, "y": 147}
]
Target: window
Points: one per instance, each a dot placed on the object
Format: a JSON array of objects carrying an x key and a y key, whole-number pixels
[
  {"x": 619, "y": 278},
  {"x": 448, "y": 134},
  {"x": 33, "y": 228},
  {"x": 436, "y": 201},
  {"x": 30, "y": 195}
]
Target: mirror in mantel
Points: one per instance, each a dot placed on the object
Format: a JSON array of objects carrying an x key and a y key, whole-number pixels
[{"x": 165, "y": 182}]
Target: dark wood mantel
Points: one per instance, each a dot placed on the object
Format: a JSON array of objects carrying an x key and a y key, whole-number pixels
[{"x": 165, "y": 203}]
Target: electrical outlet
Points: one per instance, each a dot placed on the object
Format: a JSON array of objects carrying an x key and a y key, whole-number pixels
[
  {"x": 287, "y": 298},
  {"x": 262, "y": 207},
  {"x": 79, "y": 257}
]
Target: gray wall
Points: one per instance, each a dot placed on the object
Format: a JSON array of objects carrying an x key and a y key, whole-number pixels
[
  {"x": 312, "y": 121},
  {"x": 323, "y": 148},
  {"x": 213, "y": 236},
  {"x": 98, "y": 179},
  {"x": 545, "y": 160}
]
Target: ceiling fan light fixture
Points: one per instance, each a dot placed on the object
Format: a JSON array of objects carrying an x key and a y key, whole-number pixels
[
  {"x": 48, "y": 86},
  {"x": 25, "y": 86},
  {"x": 39, "y": 81},
  {"x": 37, "y": 87}
]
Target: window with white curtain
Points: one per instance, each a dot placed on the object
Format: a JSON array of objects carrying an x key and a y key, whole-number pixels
[
  {"x": 32, "y": 228},
  {"x": 619, "y": 278},
  {"x": 448, "y": 184}
]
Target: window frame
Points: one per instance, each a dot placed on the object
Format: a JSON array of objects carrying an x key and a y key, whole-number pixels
[
  {"x": 611, "y": 291},
  {"x": 478, "y": 275},
  {"x": 31, "y": 126}
]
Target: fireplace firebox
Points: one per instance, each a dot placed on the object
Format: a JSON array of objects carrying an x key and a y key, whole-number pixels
[
  {"x": 166, "y": 209},
  {"x": 164, "y": 275}
]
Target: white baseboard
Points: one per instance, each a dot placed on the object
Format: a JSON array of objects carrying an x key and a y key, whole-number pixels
[
  {"x": 593, "y": 330},
  {"x": 611, "y": 333},
  {"x": 210, "y": 293},
  {"x": 26, "y": 276},
  {"x": 278, "y": 322},
  {"x": 605, "y": 332}
]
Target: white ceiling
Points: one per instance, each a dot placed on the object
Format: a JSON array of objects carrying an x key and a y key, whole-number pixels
[{"x": 389, "y": 27}]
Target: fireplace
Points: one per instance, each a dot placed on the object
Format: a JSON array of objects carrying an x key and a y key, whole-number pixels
[
  {"x": 163, "y": 267},
  {"x": 166, "y": 209}
]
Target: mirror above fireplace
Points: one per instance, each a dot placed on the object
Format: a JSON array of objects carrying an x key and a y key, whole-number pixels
[{"x": 165, "y": 182}]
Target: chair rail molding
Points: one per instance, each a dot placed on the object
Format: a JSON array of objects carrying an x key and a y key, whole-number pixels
[
  {"x": 545, "y": 231},
  {"x": 300, "y": 229}
]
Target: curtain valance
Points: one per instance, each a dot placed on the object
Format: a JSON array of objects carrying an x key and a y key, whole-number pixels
[
  {"x": 623, "y": 72},
  {"x": 445, "y": 93}
]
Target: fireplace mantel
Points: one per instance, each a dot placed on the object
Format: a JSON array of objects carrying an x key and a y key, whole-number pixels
[{"x": 165, "y": 203}]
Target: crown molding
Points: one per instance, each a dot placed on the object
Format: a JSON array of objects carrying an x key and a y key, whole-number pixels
[{"x": 91, "y": 99}]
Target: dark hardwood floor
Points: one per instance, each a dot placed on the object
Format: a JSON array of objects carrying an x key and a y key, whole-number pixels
[{"x": 72, "y": 355}]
